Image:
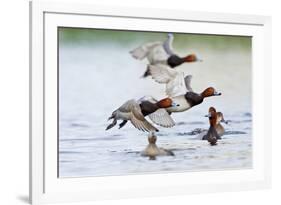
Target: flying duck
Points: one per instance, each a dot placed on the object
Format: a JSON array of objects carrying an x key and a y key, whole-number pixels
[
  {"x": 158, "y": 53},
  {"x": 190, "y": 98},
  {"x": 135, "y": 111}
]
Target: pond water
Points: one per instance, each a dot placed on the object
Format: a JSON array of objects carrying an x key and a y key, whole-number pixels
[{"x": 87, "y": 150}]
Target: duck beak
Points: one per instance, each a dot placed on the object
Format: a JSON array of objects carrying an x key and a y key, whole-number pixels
[
  {"x": 209, "y": 115},
  {"x": 226, "y": 121},
  {"x": 174, "y": 104},
  {"x": 217, "y": 93}
]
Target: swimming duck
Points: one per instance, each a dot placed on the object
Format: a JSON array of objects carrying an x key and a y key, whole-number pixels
[
  {"x": 135, "y": 111},
  {"x": 158, "y": 53},
  {"x": 219, "y": 128},
  {"x": 212, "y": 135},
  {"x": 152, "y": 150}
]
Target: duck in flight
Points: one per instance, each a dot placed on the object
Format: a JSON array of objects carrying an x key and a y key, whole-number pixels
[
  {"x": 135, "y": 112},
  {"x": 183, "y": 102},
  {"x": 161, "y": 53},
  {"x": 188, "y": 98}
]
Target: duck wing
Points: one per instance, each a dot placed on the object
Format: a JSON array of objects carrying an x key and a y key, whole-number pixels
[
  {"x": 161, "y": 117},
  {"x": 133, "y": 110},
  {"x": 128, "y": 106},
  {"x": 147, "y": 98},
  {"x": 162, "y": 73},
  {"x": 176, "y": 86},
  {"x": 139, "y": 121},
  {"x": 168, "y": 44},
  {"x": 157, "y": 55},
  {"x": 173, "y": 79},
  {"x": 187, "y": 81},
  {"x": 142, "y": 51}
]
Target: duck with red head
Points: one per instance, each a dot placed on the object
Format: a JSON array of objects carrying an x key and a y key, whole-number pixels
[
  {"x": 191, "y": 58},
  {"x": 135, "y": 112},
  {"x": 174, "y": 60},
  {"x": 218, "y": 126},
  {"x": 161, "y": 53},
  {"x": 212, "y": 135},
  {"x": 191, "y": 99}
]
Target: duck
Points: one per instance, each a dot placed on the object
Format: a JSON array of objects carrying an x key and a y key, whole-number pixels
[
  {"x": 220, "y": 129},
  {"x": 212, "y": 134},
  {"x": 158, "y": 53},
  {"x": 152, "y": 150},
  {"x": 218, "y": 126},
  {"x": 178, "y": 87},
  {"x": 190, "y": 98},
  {"x": 136, "y": 110}
]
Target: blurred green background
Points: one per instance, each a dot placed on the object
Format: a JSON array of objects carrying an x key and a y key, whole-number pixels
[{"x": 96, "y": 36}]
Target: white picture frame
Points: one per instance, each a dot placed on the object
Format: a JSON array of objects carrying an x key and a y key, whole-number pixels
[{"x": 46, "y": 187}]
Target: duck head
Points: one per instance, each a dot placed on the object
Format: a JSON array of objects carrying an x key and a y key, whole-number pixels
[
  {"x": 192, "y": 58},
  {"x": 212, "y": 115},
  {"x": 210, "y": 91},
  {"x": 220, "y": 118},
  {"x": 166, "y": 103},
  {"x": 152, "y": 139}
]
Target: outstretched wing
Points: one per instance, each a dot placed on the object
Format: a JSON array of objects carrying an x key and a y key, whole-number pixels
[
  {"x": 147, "y": 98},
  {"x": 174, "y": 80},
  {"x": 168, "y": 45},
  {"x": 132, "y": 109},
  {"x": 176, "y": 86},
  {"x": 142, "y": 51},
  {"x": 139, "y": 121},
  {"x": 187, "y": 81},
  {"x": 161, "y": 117},
  {"x": 128, "y": 106},
  {"x": 162, "y": 73}
]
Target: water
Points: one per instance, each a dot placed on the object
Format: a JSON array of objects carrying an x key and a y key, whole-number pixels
[
  {"x": 86, "y": 150},
  {"x": 95, "y": 79}
]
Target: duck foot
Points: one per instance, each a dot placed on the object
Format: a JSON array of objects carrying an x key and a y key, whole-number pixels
[
  {"x": 147, "y": 73},
  {"x": 152, "y": 150}
]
